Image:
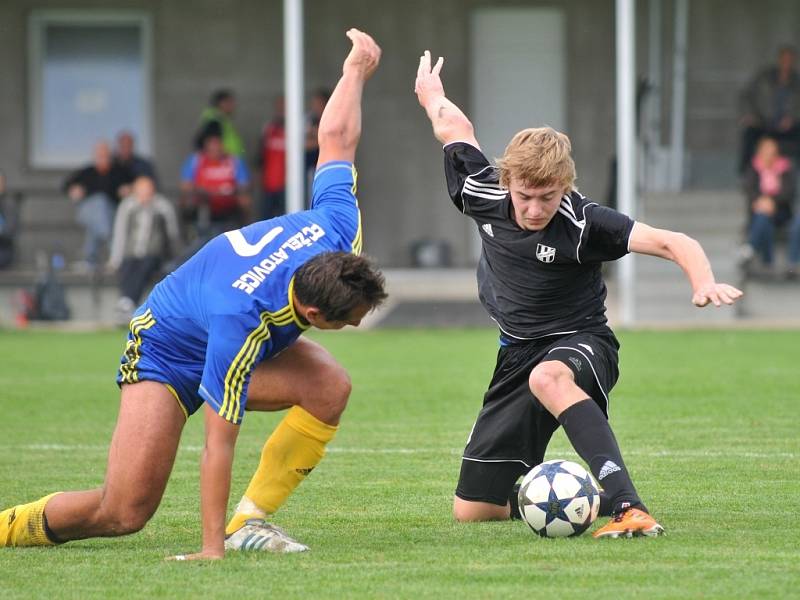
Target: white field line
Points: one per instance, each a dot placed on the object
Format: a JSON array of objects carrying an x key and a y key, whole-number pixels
[{"x": 456, "y": 451}]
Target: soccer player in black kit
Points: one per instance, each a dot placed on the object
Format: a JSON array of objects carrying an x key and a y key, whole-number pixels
[{"x": 539, "y": 278}]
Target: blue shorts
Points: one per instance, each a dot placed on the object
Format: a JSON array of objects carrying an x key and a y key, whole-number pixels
[{"x": 151, "y": 356}]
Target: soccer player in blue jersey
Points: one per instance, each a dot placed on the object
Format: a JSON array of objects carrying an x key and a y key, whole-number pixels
[{"x": 222, "y": 334}]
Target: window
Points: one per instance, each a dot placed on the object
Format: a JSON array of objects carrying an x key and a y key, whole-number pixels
[{"x": 89, "y": 74}]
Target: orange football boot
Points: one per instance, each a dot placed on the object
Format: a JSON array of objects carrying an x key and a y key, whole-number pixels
[{"x": 629, "y": 523}]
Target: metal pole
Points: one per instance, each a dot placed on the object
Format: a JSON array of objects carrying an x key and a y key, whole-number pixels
[
  {"x": 626, "y": 146},
  {"x": 679, "y": 93},
  {"x": 293, "y": 84}
]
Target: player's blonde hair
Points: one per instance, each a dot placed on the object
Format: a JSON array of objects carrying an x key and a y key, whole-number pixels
[{"x": 538, "y": 157}]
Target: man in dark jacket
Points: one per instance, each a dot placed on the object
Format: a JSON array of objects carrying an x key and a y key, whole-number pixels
[
  {"x": 96, "y": 191},
  {"x": 770, "y": 105}
]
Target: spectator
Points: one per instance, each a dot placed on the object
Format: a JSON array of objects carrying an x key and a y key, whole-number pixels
[
  {"x": 769, "y": 184},
  {"x": 126, "y": 157},
  {"x": 145, "y": 234},
  {"x": 771, "y": 106},
  {"x": 272, "y": 160},
  {"x": 214, "y": 186},
  {"x": 96, "y": 191},
  {"x": 220, "y": 111}
]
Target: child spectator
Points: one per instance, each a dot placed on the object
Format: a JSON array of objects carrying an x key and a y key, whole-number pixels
[
  {"x": 214, "y": 186},
  {"x": 145, "y": 234},
  {"x": 769, "y": 184}
]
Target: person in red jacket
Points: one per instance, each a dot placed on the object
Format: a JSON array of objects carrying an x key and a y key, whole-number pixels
[
  {"x": 215, "y": 186},
  {"x": 272, "y": 160}
]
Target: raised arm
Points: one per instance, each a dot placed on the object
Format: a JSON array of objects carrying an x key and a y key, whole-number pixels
[
  {"x": 340, "y": 124},
  {"x": 449, "y": 123},
  {"x": 688, "y": 254}
]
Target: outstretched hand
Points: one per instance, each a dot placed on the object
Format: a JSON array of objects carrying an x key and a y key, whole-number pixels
[
  {"x": 716, "y": 294},
  {"x": 364, "y": 55},
  {"x": 428, "y": 85}
]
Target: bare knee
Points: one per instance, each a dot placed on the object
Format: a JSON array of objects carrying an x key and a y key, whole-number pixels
[
  {"x": 548, "y": 380},
  {"x": 339, "y": 386},
  {"x": 125, "y": 518},
  {"x": 466, "y": 511},
  {"x": 329, "y": 397}
]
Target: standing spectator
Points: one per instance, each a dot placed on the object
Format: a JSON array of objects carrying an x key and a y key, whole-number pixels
[
  {"x": 145, "y": 233},
  {"x": 272, "y": 159},
  {"x": 214, "y": 186},
  {"x": 96, "y": 190},
  {"x": 220, "y": 111},
  {"x": 319, "y": 100},
  {"x": 125, "y": 156},
  {"x": 769, "y": 184},
  {"x": 771, "y": 106}
]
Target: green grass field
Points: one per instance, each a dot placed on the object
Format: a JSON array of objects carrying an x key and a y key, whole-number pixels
[{"x": 708, "y": 422}]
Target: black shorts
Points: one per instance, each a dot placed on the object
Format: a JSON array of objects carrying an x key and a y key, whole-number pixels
[{"x": 512, "y": 430}]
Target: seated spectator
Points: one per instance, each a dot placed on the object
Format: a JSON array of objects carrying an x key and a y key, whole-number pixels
[
  {"x": 96, "y": 190},
  {"x": 126, "y": 157},
  {"x": 220, "y": 111},
  {"x": 769, "y": 184},
  {"x": 771, "y": 106},
  {"x": 272, "y": 161},
  {"x": 214, "y": 187},
  {"x": 145, "y": 235}
]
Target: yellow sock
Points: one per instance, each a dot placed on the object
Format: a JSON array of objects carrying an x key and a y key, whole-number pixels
[
  {"x": 291, "y": 452},
  {"x": 23, "y": 525}
]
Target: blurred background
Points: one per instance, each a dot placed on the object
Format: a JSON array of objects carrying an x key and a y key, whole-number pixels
[{"x": 97, "y": 95}]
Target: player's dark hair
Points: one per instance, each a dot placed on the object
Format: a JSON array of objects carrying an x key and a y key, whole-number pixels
[
  {"x": 338, "y": 282},
  {"x": 219, "y": 96},
  {"x": 208, "y": 130}
]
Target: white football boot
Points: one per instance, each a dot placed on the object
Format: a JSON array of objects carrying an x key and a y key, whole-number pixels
[{"x": 257, "y": 534}]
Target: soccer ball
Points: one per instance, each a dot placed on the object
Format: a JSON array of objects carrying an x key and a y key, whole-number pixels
[{"x": 558, "y": 498}]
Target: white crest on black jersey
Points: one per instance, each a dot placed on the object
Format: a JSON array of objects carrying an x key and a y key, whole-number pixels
[
  {"x": 487, "y": 227},
  {"x": 546, "y": 254}
]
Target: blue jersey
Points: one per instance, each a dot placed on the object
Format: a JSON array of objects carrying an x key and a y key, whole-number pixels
[{"x": 230, "y": 306}]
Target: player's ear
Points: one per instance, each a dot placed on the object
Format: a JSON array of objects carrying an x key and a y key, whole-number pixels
[{"x": 313, "y": 315}]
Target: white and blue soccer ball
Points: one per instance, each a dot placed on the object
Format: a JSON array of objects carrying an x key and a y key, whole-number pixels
[{"x": 558, "y": 498}]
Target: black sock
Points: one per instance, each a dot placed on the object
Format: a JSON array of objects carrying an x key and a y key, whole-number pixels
[
  {"x": 513, "y": 501},
  {"x": 587, "y": 428}
]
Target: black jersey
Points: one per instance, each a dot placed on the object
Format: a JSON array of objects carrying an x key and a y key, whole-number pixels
[{"x": 536, "y": 283}]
